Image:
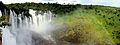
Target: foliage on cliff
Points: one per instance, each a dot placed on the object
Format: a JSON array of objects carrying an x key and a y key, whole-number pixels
[{"x": 90, "y": 26}]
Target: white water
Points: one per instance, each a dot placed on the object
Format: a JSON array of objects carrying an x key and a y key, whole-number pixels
[
  {"x": 0, "y": 13},
  {"x": 21, "y": 30}
]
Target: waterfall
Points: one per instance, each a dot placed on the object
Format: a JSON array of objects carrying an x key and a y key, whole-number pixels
[
  {"x": 0, "y": 13},
  {"x": 28, "y": 30}
]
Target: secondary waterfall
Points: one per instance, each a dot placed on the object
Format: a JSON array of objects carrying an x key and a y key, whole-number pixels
[
  {"x": 28, "y": 30},
  {"x": 0, "y": 13}
]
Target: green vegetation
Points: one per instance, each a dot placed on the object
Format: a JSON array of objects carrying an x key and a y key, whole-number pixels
[
  {"x": 4, "y": 20},
  {"x": 54, "y": 7},
  {"x": 98, "y": 26}
]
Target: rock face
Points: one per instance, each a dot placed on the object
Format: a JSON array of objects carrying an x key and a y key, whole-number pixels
[{"x": 4, "y": 9}]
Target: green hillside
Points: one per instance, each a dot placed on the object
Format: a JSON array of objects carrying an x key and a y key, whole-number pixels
[{"x": 100, "y": 26}]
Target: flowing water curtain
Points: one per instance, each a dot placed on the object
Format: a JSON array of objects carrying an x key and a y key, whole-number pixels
[
  {"x": 22, "y": 27},
  {"x": 0, "y": 13}
]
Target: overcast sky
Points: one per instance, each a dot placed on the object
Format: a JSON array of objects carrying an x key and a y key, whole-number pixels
[{"x": 115, "y": 3}]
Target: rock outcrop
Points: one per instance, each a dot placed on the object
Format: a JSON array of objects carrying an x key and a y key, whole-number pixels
[{"x": 4, "y": 9}]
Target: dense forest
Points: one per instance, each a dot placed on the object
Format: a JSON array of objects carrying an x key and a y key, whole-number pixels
[{"x": 55, "y": 7}]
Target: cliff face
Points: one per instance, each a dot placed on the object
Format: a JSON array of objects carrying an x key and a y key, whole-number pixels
[
  {"x": 2, "y": 6},
  {"x": 4, "y": 12},
  {"x": 4, "y": 9}
]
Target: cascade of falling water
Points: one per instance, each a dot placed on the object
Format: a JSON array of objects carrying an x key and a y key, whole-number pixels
[
  {"x": 0, "y": 13},
  {"x": 40, "y": 22},
  {"x": 20, "y": 20},
  {"x": 22, "y": 27},
  {"x": 9, "y": 38}
]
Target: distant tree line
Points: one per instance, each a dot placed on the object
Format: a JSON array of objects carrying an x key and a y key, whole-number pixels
[{"x": 53, "y": 7}]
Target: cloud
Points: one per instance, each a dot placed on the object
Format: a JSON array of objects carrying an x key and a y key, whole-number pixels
[
  {"x": 18, "y": 1},
  {"x": 115, "y": 3},
  {"x": 37, "y": 1},
  {"x": 47, "y": 0}
]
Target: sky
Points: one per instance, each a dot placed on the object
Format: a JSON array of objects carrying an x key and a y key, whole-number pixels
[{"x": 114, "y": 3}]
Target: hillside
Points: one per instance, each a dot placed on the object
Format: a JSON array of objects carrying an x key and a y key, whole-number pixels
[{"x": 84, "y": 25}]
